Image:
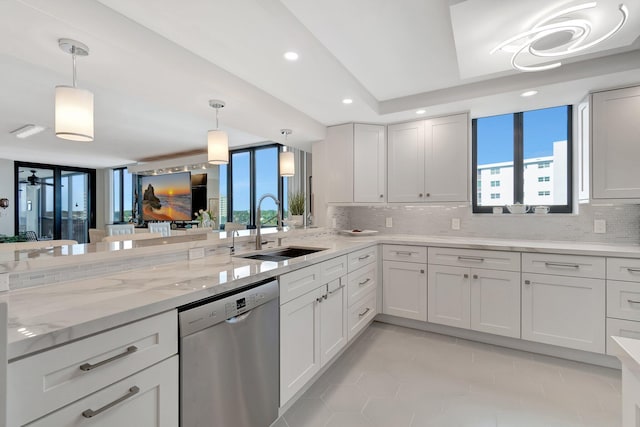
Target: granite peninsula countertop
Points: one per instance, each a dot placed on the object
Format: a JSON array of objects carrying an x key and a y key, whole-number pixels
[{"x": 45, "y": 316}]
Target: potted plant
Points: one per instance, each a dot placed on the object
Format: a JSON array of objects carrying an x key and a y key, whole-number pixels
[{"x": 296, "y": 208}]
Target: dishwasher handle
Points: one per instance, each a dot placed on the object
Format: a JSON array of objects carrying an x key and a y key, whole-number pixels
[{"x": 239, "y": 318}]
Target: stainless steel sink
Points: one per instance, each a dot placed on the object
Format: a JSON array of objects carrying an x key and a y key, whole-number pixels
[{"x": 282, "y": 254}]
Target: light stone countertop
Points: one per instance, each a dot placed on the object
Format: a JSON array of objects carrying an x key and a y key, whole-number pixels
[{"x": 45, "y": 316}]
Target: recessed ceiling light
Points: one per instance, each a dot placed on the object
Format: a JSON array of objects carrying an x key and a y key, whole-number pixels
[
  {"x": 421, "y": 111},
  {"x": 291, "y": 56},
  {"x": 529, "y": 93},
  {"x": 347, "y": 101},
  {"x": 27, "y": 131}
]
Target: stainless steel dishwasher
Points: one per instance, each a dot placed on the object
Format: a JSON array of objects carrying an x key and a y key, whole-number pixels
[{"x": 229, "y": 359}]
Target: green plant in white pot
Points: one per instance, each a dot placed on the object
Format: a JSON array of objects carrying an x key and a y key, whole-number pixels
[{"x": 296, "y": 209}]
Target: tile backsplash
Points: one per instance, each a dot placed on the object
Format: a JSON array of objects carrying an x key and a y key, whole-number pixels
[{"x": 622, "y": 222}]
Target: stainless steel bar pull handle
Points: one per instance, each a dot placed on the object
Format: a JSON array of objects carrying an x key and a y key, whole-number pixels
[
  {"x": 364, "y": 312},
  {"x": 364, "y": 257},
  {"x": 561, "y": 265},
  {"x": 633, "y": 301},
  {"x": 89, "y": 366},
  {"x": 633, "y": 270},
  {"x": 407, "y": 253},
  {"x": 90, "y": 413},
  {"x": 364, "y": 282},
  {"x": 470, "y": 258}
]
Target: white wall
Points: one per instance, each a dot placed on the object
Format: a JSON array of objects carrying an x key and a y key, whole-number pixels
[{"x": 7, "y": 189}]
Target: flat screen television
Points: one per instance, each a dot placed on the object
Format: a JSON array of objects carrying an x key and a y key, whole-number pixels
[{"x": 166, "y": 197}]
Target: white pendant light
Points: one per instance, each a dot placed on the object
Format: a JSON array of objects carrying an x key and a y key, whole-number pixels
[
  {"x": 74, "y": 106},
  {"x": 218, "y": 141},
  {"x": 287, "y": 162}
]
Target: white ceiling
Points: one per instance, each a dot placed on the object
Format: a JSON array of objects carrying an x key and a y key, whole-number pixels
[{"x": 155, "y": 64}]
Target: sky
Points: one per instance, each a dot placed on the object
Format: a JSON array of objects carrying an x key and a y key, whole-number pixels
[
  {"x": 541, "y": 129},
  {"x": 174, "y": 184}
]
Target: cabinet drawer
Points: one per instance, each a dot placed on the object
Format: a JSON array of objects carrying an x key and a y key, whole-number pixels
[
  {"x": 360, "y": 283},
  {"x": 495, "y": 260},
  {"x": 299, "y": 282},
  {"x": 623, "y": 300},
  {"x": 623, "y": 269},
  {"x": 333, "y": 268},
  {"x": 362, "y": 257},
  {"x": 621, "y": 328},
  {"x": 148, "y": 395},
  {"x": 361, "y": 314},
  {"x": 564, "y": 265},
  {"x": 49, "y": 380},
  {"x": 405, "y": 253}
]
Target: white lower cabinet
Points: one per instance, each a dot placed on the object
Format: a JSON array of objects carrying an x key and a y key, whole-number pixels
[
  {"x": 146, "y": 399},
  {"x": 564, "y": 311},
  {"x": 448, "y": 296},
  {"x": 299, "y": 342},
  {"x": 82, "y": 371},
  {"x": 495, "y": 302},
  {"x": 333, "y": 320},
  {"x": 313, "y": 329},
  {"x": 404, "y": 292},
  {"x": 477, "y": 299}
]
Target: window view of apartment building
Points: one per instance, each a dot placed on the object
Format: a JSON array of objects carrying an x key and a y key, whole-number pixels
[{"x": 545, "y": 180}]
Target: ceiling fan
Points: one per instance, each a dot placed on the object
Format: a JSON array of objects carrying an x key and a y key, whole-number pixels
[{"x": 34, "y": 180}]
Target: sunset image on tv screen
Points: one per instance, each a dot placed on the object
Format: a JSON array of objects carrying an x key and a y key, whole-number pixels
[{"x": 166, "y": 197}]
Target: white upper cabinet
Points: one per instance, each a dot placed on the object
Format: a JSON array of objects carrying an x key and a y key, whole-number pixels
[
  {"x": 614, "y": 147},
  {"x": 369, "y": 164},
  {"x": 406, "y": 162},
  {"x": 355, "y": 163},
  {"x": 339, "y": 163},
  {"x": 428, "y": 160}
]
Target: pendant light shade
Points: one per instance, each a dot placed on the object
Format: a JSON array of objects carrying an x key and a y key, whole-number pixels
[
  {"x": 218, "y": 147},
  {"x": 217, "y": 140},
  {"x": 287, "y": 162},
  {"x": 74, "y": 114},
  {"x": 73, "y": 106}
]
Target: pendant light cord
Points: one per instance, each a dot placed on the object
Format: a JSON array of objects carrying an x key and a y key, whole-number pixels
[
  {"x": 217, "y": 118},
  {"x": 73, "y": 55}
]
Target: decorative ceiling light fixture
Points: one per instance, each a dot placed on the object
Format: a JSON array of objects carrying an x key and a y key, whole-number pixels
[
  {"x": 218, "y": 141},
  {"x": 287, "y": 161},
  {"x": 556, "y": 35},
  {"x": 74, "y": 106}
]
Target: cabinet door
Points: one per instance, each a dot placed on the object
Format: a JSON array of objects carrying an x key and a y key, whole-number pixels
[
  {"x": 564, "y": 311},
  {"x": 339, "y": 171},
  {"x": 299, "y": 342},
  {"x": 406, "y": 162},
  {"x": 333, "y": 320},
  {"x": 615, "y": 145},
  {"x": 495, "y": 302},
  {"x": 404, "y": 290},
  {"x": 146, "y": 399},
  {"x": 446, "y": 159},
  {"x": 582, "y": 137},
  {"x": 369, "y": 164},
  {"x": 449, "y": 296}
]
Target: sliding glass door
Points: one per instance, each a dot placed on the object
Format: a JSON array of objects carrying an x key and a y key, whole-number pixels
[
  {"x": 75, "y": 205},
  {"x": 54, "y": 202},
  {"x": 35, "y": 202}
]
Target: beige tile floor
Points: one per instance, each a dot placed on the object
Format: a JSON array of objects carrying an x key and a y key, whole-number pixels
[{"x": 399, "y": 377}]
